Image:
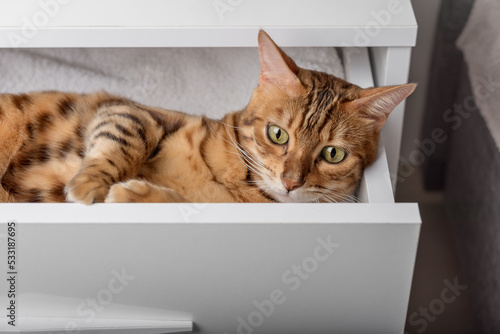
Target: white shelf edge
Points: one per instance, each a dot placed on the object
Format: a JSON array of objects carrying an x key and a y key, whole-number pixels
[
  {"x": 41, "y": 325},
  {"x": 213, "y": 213},
  {"x": 112, "y": 37},
  {"x": 201, "y": 23}
]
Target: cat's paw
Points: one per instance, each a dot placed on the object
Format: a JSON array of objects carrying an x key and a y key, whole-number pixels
[
  {"x": 131, "y": 191},
  {"x": 86, "y": 189},
  {"x": 137, "y": 191}
]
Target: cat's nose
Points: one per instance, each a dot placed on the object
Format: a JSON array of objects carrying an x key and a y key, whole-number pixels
[{"x": 291, "y": 184}]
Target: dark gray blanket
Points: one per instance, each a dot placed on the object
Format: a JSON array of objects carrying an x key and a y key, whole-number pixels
[
  {"x": 472, "y": 195},
  {"x": 467, "y": 168}
]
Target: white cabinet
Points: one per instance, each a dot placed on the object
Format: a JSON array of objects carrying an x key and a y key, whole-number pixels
[{"x": 221, "y": 268}]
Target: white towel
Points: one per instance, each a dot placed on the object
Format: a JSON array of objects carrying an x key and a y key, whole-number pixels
[
  {"x": 209, "y": 81},
  {"x": 480, "y": 43}
]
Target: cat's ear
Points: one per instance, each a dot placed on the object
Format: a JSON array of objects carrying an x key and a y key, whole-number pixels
[
  {"x": 276, "y": 67},
  {"x": 378, "y": 102}
]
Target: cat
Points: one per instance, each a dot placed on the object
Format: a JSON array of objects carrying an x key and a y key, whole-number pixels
[{"x": 305, "y": 136}]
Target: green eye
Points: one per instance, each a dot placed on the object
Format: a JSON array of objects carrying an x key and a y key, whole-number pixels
[
  {"x": 277, "y": 135},
  {"x": 332, "y": 154}
]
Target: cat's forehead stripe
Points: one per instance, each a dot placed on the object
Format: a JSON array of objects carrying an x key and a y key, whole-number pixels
[
  {"x": 324, "y": 98},
  {"x": 320, "y": 111}
]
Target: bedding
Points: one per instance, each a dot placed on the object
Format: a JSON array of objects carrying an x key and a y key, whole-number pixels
[
  {"x": 480, "y": 44},
  {"x": 211, "y": 81},
  {"x": 472, "y": 197},
  {"x": 467, "y": 165}
]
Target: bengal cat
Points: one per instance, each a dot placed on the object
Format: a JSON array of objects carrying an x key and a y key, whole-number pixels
[{"x": 305, "y": 136}]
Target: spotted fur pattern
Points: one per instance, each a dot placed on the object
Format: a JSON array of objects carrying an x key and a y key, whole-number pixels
[{"x": 58, "y": 147}]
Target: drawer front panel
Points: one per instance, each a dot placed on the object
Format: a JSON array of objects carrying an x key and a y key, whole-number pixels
[{"x": 289, "y": 272}]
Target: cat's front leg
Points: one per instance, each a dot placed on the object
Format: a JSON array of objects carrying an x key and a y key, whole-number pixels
[
  {"x": 138, "y": 191},
  {"x": 118, "y": 141}
]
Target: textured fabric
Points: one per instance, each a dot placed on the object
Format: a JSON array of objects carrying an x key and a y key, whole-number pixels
[
  {"x": 480, "y": 43},
  {"x": 473, "y": 207},
  {"x": 444, "y": 76},
  {"x": 467, "y": 164},
  {"x": 209, "y": 81}
]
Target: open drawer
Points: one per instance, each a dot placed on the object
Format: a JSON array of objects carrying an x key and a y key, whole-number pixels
[{"x": 217, "y": 268}]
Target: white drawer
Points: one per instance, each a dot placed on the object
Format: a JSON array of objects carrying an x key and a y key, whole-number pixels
[
  {"x": 214, "y": 269},
  {"x": 216, "y": 264},
  {"x": 220, "y": 268}
]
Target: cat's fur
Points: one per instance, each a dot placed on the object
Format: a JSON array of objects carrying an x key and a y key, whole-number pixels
[{"x": 90, "y": 148}]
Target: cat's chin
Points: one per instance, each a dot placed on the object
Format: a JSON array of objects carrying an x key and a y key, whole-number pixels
[
  {"x": 286, "y": 197},
  {"x": 280, "y": 194}
]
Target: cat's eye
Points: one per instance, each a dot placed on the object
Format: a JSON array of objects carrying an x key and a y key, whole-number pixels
[
  {"x": 333, "y": 154},
  {"x": 277, "y": 135}
]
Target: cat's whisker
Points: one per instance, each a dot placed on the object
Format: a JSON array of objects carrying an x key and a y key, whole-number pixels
[
  {"x": 336, "y": 196},
  {"x": 345, "y": 195},
  {"x": 254, "y": 162},
  {"x": 232, "y": 126},
  {"x": 250, "y": 162},
  {"x": 260, "y": 188},
  {"x": 255, "y": 170},
  {"x": 327, "y": 199},
  {"x": 331, "y": 199},
  {"x": 237, "y": 154},
  {"x": 247, "y": 155},
  {"x": 340, "y": 194},
  {"x": 266, "y": 190},
  {"x": 353, "y": 199},
  {"x": 242, "y": 149}
]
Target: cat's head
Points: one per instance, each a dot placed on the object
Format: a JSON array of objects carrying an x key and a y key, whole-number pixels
[{"x": 307, "y": 136}]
